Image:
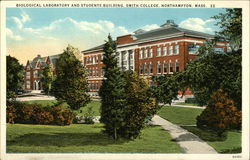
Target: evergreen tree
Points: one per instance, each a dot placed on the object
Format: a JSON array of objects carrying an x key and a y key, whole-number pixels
[
  {"x": 71, "y": 84},
  {"x": 112, "y": 91},
  {"x": 47, "y": 78}
]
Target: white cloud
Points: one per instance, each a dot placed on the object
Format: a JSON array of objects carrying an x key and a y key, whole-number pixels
[
  {"x": 20, "y": 21},
  {"x": 11, "y": 35},
  {"x": 197, "y": 24},
  {"x": 150, "y": 27}
]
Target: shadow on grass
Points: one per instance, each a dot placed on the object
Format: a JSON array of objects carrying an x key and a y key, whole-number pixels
[
  {"x": 234, "y": 150},
  {"x": 205, "y": 134},
  {"x": 64, "y": 139}
]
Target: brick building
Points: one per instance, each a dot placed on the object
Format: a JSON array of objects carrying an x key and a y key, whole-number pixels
[
  {"x": 34, "y": 69},
  {"x": 160, "y": 51}
]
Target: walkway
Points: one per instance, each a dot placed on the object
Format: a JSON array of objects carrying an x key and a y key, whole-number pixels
[
  {"x": 34, "y": 96},
  {"x": 188, "y": 142}
]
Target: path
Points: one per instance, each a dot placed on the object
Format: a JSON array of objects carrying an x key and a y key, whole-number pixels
[
  {"x": 188, "y": 142},
  {"x": 34, "y": 96}
]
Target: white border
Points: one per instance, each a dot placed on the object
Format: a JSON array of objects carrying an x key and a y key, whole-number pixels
[{"x": 78, "y": 156}]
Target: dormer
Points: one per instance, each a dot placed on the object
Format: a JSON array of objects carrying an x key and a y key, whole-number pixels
[{"x": 139, "y": 31}]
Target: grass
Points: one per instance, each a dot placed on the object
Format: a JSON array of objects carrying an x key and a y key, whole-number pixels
[
  {"x": 180, "y": 115},
  {"x": 225, "y": 144},
  {"x": 82, "y": 138},
  {"x": 94, "y": 104},
  {"x": 187, "y": 116}
]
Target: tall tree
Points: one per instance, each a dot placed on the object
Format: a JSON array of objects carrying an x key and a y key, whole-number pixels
[
  {"x": 15, "y": 76},
  {"x": 47, "y": 78},
  {"x": 230, "y": 24},
  {"x": 112, "y": 91},
  {"x": 71, "y": 84}
]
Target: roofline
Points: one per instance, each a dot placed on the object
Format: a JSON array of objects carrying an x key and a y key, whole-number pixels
[{"x": 156, "y": 39}]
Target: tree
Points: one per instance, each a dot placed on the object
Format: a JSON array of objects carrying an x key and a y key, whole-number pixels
[
  {"x": 140, "y": 105},
  {"x": 15, "y": 76},
  {"x": 220, "y": 115},
  {"x": 47, "y": 79},
  {"x": 71, "y": 84},
  {"x": 231, "y": 27},
  {"x": 112, "y": 91},
  {"x": 166, "y": 88}
]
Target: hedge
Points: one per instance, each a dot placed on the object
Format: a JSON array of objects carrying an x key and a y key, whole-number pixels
[{"x": 36, "y": 114}]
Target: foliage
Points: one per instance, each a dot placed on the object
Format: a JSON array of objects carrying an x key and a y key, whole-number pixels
[
  {"x": 231, "y": 27},
  {"x": 71, "y": 84},
  {"x": 221, "y": 114},
  {"x": 15, "y": 76},
  {"x": 212, "y": 71},
  {"x": 112, "y": 91},
  {"x": 47, "y": 78},
  {"x": 88, "y": 116},
  {"x": 167, "y": 87},
  {"x": 18, "y": 112},
  {"x": 140, "y": 104}
]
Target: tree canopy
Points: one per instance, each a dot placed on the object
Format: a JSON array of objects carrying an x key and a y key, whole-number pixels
[{"x": 71, "y": 84}]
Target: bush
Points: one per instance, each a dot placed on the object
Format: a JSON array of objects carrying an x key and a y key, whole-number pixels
[
  {"x": 191, "y": 100},
  {"x": 36, "y": 114},
  {"x": 220, "y": 115}
]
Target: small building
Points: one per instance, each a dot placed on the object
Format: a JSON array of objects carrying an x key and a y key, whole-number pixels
[{"x": 34, "y": 70}]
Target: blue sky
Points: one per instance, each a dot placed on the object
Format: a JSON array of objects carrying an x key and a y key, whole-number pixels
[{"x": 47, "y": 31}]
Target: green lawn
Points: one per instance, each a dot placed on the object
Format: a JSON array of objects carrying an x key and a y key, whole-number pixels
[
  {"x": 187, "y": 116},
  {"x": 78, "y": 138},
  {"x": 229, "y": 144},
  {"x": 94, "y": 104},
  {"x": 180, "y": 115}
]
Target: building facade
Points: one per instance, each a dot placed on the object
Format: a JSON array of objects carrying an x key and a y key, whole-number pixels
[
  {"x": 161, "y": 51},
  {"x": 34, "y": 69}
]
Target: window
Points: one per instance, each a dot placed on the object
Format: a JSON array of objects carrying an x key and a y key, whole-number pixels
[
  {"x": 28, "y": 84},
  {"x": 90, "y": 72},
  {"x": 158, "y": 67},
  {"x": 177, "y": 68},
  {"x": 193, "y": 49},
  {"x": 140, "y": 54},
  {"x": 164, "y": 51},
  {"x": 36, "y": 74},
  {"x": 97, "y": 59},
  {"x": 97, "y": 72},
  {"x": 131, "y": 60},
  {"x": 145, "y": 53},
  {"x": 165, "y": 67},
  {"x": 170, "y": 67},
  {"x": 145, "y": 68},
  {"x": 170, "y": 50},
  {"x": 176, "y": 49},
  {"x": 150, "y": 55},
  {"x": 218, "y": 50},
  {"x": 151, "y": 68},
  {"x": 102, "y": 56},
  {"x": 140, "y": 69},
  {"x": 27, "y": 75},
  {"x": 103, "y": 72},
  {"x": 158, "y": 51}
]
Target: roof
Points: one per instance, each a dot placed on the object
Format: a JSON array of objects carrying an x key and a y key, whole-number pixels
[
  {"x": 166, "y": 31},
  {"x": 42, "y": 60},
  {"x": 162, "y": 32}
]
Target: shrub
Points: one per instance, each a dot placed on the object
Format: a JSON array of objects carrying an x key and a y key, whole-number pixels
[
  {"x": 221, "y": 114},
  {"x": 191, "y": 100},
  {"x": 36, "y": 114}
]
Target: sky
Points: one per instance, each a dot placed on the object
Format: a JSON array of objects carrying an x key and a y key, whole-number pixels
[{"x": 48, "y": 31}]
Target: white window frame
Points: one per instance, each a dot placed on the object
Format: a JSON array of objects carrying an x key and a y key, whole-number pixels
[
  {"x": 164, "y": 51},
  {"x": 150, "y": 53},
  {"x": 170, "y": 50},
  {"x": 176, "y": 49},
  {"x": 140, "y": 54},
  {"x": 158, "y": 54}
]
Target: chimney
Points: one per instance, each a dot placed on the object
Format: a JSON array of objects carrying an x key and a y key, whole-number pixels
[
  {"x": 39, "y": 56},
  {"x": 169, "y": 23}
]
